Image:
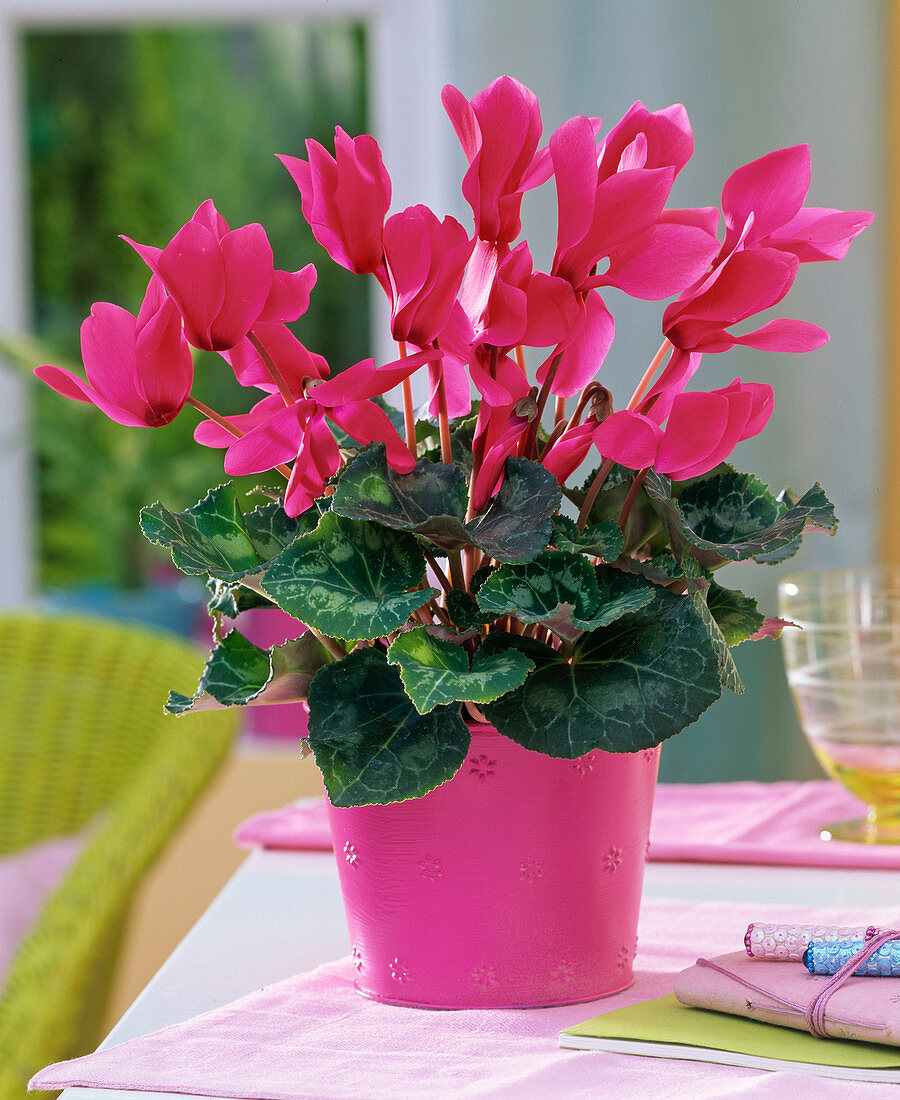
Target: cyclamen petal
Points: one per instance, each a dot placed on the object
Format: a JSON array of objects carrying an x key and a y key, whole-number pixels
[
  {"x": 569, "y": 451},
  {"x": 365, "y": 422},
  {"x": 274, "y": 441},
  {"x": 295, "y": 362},
  {"x": 668, "y": 140},
  {"x": 211, "y": 434},
  {"x": 139, "y": 370},
  {"x": 164, "y": 367},
  {"x": 772, "y": 188},
  {"x": 585, "y": 349},
  {"x": 629, "y": 438},
  {"x": 785, "y": 335},
  {"x": 344, "y": 198},
  {"x": 289, "y": 296},
  {"x": 499, "y": 131},
  {"x": 426, "y": 260},
  {"x": 249, "y": 273}
]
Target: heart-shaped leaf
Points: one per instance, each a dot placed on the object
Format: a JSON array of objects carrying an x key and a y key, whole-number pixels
[
  {"x": 430, "y": 501},
  {"x": 736, "y": 516},
  {"x": 516, "y": 525},
  {"x": 370, "y": 742},
  {"x": 728, "y": 673},
  {"x": 738, "y": 616},
  {"x": 349, "y": 579},
  {"x": 602, "y": 540},
  {"x": 563, "y": 591},
  {"x": 436, "y": 672},
  {"x": 627, "y": 686},
  {"x": 239, "y": 673},
  {"x": 216, "y": 538}
]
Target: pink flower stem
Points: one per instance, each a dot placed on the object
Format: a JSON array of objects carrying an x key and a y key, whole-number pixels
[
  {"x": 596, "y": 486},
  {"x": 454, "y": 558},
  {"x": 274, "y": 373},
  {"x": 647, "y": 378},
  {"x": 561, "y": 426},
  {"x": 632, "y": 496},
  {"x": 583, "y": 401},
  {"x": 520, "y": 358},
  {"x": 409, "y": 414},
  {"x": 211, "y": 414},
  {"x": 529, "y": 448},
  {"x": 438, "y": 572},
  {"x": 560, "y": 410},
  {"x": 334, "y": 648}
]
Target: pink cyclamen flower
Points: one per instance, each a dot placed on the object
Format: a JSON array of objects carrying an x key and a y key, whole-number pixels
[
  {"x": 426, "y": 259},
  {"x": 773, "y": 189},
  {"x": 499, "y": 130},
  {"x": 614, "y": 212},
  {"x": 747, "y": 281},
  {"x": 274, "y": 433},
  {"x": 701, "y": 430},
  {"x": 345, "y": 198},
  {"x": 139, "y": 369},
  {"x": 221, "y": 279}
]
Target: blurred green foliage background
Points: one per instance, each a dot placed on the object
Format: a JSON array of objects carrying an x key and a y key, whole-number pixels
[{"x": 128, "y": 133}]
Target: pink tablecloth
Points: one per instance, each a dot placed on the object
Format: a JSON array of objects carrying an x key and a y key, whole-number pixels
[
  {"x": 312, "y": 1037},
  {"x": 711, "y": 822}
]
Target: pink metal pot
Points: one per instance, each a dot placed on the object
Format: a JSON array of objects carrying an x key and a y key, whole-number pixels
[{"x": 515, "y": 884}]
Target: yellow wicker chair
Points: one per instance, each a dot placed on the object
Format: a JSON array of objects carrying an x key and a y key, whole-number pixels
[{"x": 84, "y": 741}]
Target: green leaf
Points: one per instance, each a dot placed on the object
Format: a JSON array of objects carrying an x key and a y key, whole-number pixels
[
  {"x": 271, "y": 529},
  {"x": 430, "y": 501},
  {"x": 349, "y": 579},
  {"x": 736, "y": 516},
  {"x": 464, "y": 611},
  {"x": 728, "y": 673},
  {"x": 603, "y": 540},
  {"x": 628, "y": 686},
  {"x": 738, "y": 616},
  {"x": 436, "y": 672},
  {"x": 534, "y": 590},
  {"x": 516, "y": 525},
  {"x": 562, "y": 591},
  {"x": 230, "y": 598},
  {"x": 239, "y": 673},
  {"x": 370, "y": 743},
  {"x": 216, "y": 538}
]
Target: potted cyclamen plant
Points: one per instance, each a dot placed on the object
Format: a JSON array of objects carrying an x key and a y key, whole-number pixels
[{"x": 479, "y": 627}]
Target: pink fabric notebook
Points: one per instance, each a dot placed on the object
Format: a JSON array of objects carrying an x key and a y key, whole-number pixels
[{"x": 873, "y": 1004}]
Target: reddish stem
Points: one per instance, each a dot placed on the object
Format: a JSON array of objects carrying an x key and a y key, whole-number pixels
[
  {"x": 596, "y": 486},
  {"x": 274, "y": 373},
  {"x": 409, "y": 413},
  {"x": 211, "y": 414},
  {"x": 647, "y": 377}
]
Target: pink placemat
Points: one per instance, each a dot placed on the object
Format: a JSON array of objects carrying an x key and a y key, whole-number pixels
[
  {"x": 312, "y": 1037},
  {"x": 774, "y": 823}
]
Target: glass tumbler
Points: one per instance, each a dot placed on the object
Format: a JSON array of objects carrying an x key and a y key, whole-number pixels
[{"x": 842, "y": 656}]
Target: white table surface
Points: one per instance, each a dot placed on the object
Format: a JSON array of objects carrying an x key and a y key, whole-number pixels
[{"x": 281, "y": 914}]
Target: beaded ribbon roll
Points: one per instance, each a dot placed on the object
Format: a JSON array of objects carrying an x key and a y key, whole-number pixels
[
  {"x": 828, "y": 958},
  {"x": 789, "y": 941}
]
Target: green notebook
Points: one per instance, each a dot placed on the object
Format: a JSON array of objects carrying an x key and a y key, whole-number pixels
[{"x": 665, "y": 1028}]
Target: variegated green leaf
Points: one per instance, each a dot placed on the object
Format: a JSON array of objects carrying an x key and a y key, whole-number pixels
[
  {"x": 349, "y": 579},
  {"x": 436, "y": 672},
  {"x": 370, "y": 742}
]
